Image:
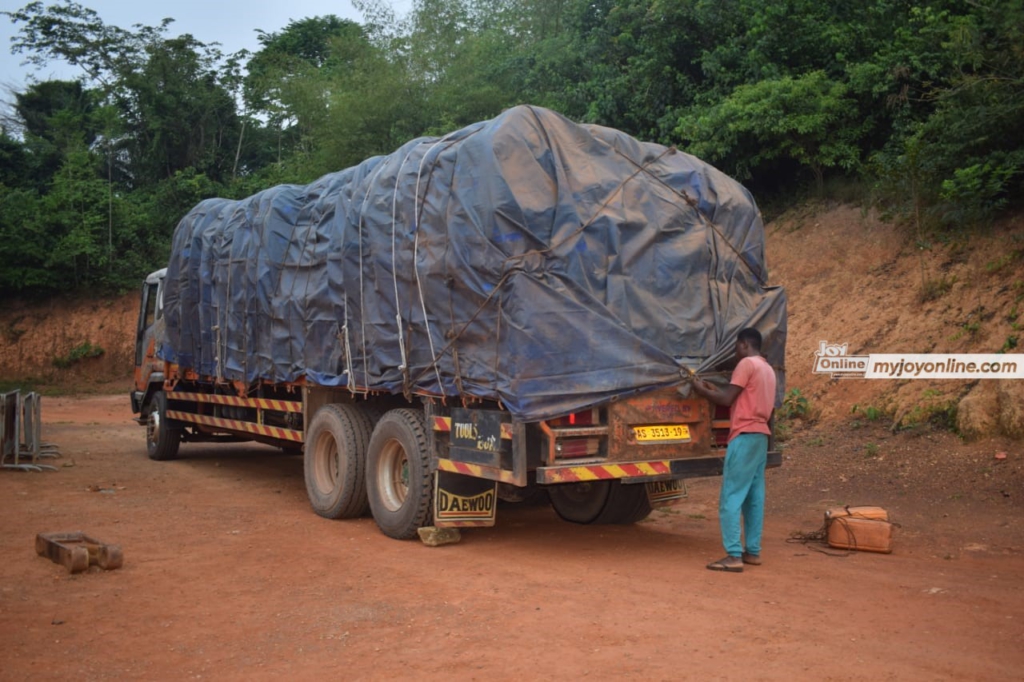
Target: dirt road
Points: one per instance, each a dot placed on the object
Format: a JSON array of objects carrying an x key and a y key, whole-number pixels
[{"x": 229, "y": 575}]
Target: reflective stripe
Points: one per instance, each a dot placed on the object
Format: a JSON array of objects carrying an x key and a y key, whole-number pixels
[{"x": 235, "y": 425}]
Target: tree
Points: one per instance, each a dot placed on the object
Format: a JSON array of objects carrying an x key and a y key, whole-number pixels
[
  {"x": 53, "y": 117},
  {"x": 808, "y": 119}
]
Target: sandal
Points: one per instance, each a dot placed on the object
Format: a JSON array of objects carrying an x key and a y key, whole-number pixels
[
  {"x": 726, "y": 565},
  {"x": 752, "y": 559}
]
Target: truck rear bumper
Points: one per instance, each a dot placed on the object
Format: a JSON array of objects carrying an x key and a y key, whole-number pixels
[{"x": 641, "y": 472}]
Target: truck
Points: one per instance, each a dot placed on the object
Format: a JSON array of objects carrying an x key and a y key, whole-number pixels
[{"x": 514, "y": 309}]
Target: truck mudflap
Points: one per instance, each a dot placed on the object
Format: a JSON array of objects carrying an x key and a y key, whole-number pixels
[
  {"x": 464, "y": 501},
  {"x": 648, "y": 471}
]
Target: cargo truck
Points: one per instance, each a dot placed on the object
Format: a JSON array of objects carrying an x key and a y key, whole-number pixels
[{"x": 515, "y": 307}]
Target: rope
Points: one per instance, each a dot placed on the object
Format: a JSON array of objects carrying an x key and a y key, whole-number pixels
[
  {"x": 821, "y": 536},
  {"x": 415, "y": 256},
  {"x": 362, "y": 299}
]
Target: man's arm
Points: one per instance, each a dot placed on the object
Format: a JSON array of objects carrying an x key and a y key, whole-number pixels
[{"x": 719, "y": 396}]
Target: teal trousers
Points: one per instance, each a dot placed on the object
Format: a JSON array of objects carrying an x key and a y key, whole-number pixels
[{"x": 742, "y": 493}]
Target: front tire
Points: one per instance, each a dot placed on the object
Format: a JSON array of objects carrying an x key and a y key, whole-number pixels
[
  {"x": 163, "y": 436},
  {"x": 334, "y": 462},
  {"x": 398, "y": 477}
]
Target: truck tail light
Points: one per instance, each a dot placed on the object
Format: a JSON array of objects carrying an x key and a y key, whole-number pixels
[
  {"x": 578, "y": 447},
  {"x": 584, "y": 418}
]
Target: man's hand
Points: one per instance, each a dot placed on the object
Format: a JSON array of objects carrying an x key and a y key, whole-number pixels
[{"x": 716, "y": 395}]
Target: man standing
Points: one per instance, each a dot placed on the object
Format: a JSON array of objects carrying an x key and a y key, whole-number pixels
[{"x": 751, "y": 398}]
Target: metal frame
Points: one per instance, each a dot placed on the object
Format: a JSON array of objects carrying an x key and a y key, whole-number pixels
[{"x": 21, "y": 433}]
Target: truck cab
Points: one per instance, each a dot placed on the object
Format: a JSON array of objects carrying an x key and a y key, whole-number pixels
[{"x": 149, "y": 371}]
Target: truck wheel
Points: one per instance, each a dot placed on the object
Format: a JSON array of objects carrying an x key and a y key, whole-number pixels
[
  {"x": 626, "y": 504},
  {"x": 398, "y": 474},
  {"x": 600, "y": 502},
  {"x": 579, "y": 502},
  {"x": 162, "y": 435},
  {"x": 335, "y": 461}
]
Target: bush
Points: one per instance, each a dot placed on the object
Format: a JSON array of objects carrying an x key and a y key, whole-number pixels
[{"x": 79, "y": 352}]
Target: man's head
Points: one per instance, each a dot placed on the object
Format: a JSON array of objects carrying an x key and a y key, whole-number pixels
[{"x": 748, "y": 343}]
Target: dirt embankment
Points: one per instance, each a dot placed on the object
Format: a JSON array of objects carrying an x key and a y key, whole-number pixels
[
  {"x": 39, "y": 343},
  {"x": 853, "y": 279}
]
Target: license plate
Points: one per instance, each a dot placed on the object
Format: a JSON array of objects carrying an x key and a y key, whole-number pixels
[{"x": 662, "y": 432}]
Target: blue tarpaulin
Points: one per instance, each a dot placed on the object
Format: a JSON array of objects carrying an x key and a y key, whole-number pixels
[{"x": 527, "y": 259}]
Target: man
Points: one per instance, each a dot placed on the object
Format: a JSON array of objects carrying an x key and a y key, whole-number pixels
[{"x": 751, "y": 398}]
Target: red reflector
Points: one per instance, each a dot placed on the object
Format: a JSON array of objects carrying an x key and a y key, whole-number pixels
[
  {"x": 586, "y": 418},
  {"x": 578, "y": 447}
]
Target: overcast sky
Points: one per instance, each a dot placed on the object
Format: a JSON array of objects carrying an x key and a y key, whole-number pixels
[{"x": 232, "y": 23}]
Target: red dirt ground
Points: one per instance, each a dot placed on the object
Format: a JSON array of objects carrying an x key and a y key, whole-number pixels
[{"x": 228, "y": 574}]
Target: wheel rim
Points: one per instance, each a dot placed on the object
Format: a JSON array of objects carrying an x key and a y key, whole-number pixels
[
  {"x": 153, "y": 428},
  {"x": 393, "y": 475},
  {"x": 327, "y": 467}
]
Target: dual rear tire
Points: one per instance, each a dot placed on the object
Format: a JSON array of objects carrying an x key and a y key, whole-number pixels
[
  {"x": 352, "y": 465},
  {"x": 334, "y": 461}
]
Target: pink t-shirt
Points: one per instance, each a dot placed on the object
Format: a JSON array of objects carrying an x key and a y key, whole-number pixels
[{"x": 753, "y": 406}]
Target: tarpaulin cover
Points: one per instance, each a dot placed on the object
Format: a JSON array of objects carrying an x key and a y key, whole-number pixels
[{"x": 527, "y": 259}]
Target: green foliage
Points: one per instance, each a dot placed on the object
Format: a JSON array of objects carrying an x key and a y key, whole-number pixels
[
  {"x": 794, "y": 405},
  {"x": 920, "y": 101},
  {"x": 77, "y": 354},
  {"x": 808, "y": 119},
  {"x": 23, "y": 385},
  {"x": 870, "y": 412},
  {"x": 939, "y": 414},
  {"x": 977, "y": 193}
]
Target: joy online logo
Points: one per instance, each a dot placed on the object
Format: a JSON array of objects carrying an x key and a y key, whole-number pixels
[{"x": 832, "y": 359}]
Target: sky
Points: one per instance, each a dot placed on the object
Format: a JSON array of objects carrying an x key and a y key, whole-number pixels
[{"x": 232, "y": 23}]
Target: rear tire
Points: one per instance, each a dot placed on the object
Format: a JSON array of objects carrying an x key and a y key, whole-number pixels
[
  {"x": 579, "y": 502},
  {"x": 600, "y": 502},
  {"x": 334, "y": 462},
  {"x": 163, "y": 436},
  {"x": 398, "y": 477},
  {"x": 626, "y": 504}
]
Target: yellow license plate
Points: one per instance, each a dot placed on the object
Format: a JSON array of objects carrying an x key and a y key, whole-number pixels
[{"x": 662, "y": 432}]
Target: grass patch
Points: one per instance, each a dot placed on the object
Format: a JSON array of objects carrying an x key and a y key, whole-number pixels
[
  {"x": 933, "y": 289},
  {"x": 77, "y": 354},
  {"x": 23, "y": 385},
  {"x": 869, "y": 412}
]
